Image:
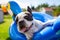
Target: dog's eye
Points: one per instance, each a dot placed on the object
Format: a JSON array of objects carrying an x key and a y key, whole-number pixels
[
  {"x": 26, "y": 17},
  {"x": 29, "y": 18}
]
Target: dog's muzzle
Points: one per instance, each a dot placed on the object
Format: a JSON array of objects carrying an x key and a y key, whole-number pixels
[{"x": 22, "y": 26}]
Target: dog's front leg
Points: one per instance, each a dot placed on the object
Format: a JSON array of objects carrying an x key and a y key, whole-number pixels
[
  {"x": 42, "y": 25},
  {"x": 49, "y": 22}
]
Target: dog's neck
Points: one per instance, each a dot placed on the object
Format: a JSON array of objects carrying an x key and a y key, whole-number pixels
[{"x": 29, "y": 27}]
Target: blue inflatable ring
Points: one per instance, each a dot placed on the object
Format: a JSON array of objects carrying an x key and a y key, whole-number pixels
[
  {"x": 15, "y": 8},
  {"x": 45, "y": 34}
]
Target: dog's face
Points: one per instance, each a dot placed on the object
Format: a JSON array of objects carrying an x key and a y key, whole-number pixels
[{"x": 24, "y": 20}]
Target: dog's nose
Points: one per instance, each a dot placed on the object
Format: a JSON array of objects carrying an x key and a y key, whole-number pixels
[{"x": 21, "y": 22}]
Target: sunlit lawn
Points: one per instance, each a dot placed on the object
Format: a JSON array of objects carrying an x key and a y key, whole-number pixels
[{"x": 4, "y": 27}]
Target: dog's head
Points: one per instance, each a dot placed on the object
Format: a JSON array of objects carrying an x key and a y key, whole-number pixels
[{"x": 24, "y": 20}]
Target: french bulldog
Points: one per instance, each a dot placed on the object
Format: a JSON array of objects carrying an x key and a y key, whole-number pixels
[{"x": 27, "y": 25}]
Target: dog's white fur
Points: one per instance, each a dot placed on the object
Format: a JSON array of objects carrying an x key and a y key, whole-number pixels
[{"x": 37, "y": 24}]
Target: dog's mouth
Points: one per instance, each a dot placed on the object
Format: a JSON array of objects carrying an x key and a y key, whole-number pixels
[{"x": 24, "y": 29}]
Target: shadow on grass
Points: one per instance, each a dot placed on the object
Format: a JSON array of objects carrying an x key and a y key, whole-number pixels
[
  {"x": 8, "y": 38},
  {"x": 2, "y": 22}
]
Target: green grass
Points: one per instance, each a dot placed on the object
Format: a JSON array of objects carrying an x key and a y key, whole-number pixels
[{"x": 4, "y": 27}]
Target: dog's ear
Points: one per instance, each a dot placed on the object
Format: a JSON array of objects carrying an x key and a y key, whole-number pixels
[
  {"x": 16, "y": 19},
  {"x": 29, "y": 9}
]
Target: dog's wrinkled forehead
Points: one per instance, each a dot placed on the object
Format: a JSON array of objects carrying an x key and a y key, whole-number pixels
[
  {"x": 22, "y": 14},
  {"x": 26, "y": 12}
]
